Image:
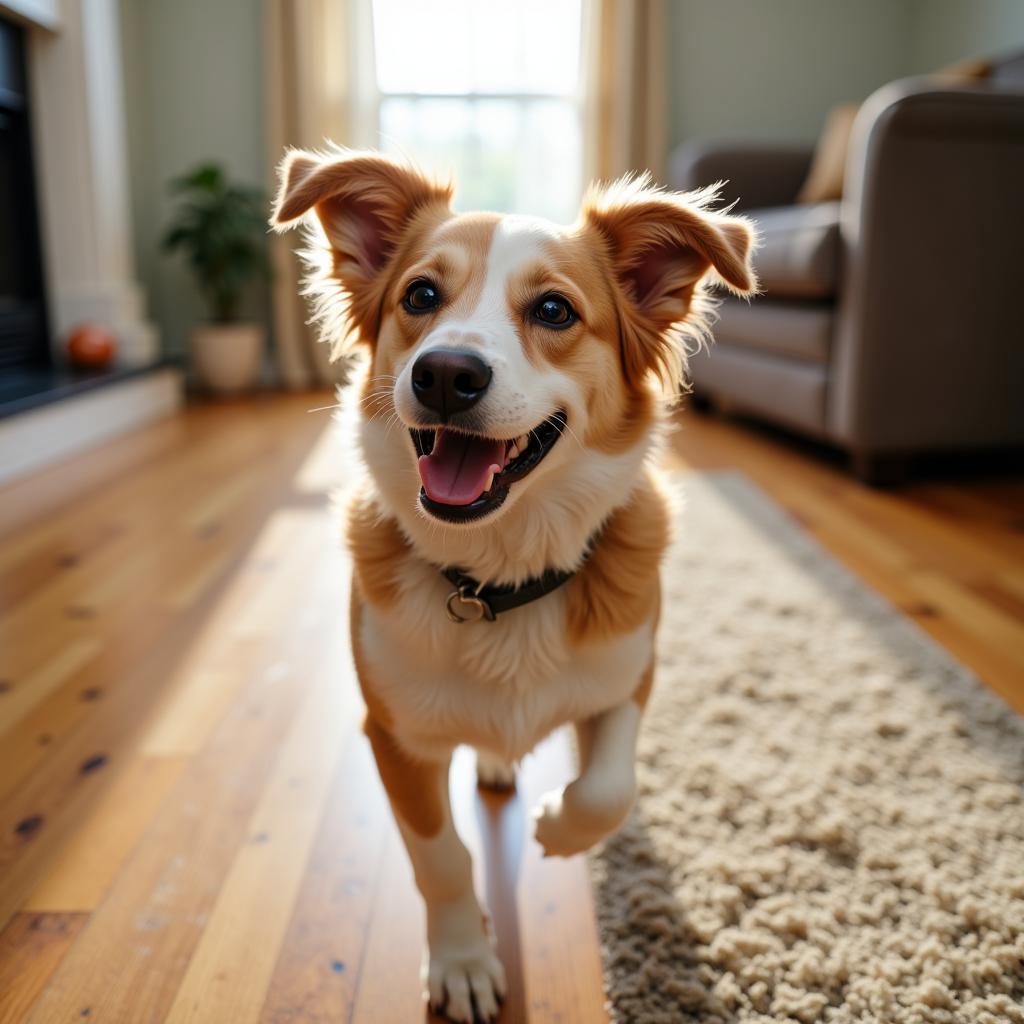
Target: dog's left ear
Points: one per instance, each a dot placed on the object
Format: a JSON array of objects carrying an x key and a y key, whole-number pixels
[
  {"x": 663, "y": 246},
  {"x": 364, "y": 202}
]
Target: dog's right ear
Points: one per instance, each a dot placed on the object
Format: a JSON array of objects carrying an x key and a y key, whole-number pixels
[{"x": 364, "y": 202}]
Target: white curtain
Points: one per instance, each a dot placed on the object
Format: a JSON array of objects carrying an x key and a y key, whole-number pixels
[
  {"x": 625, "y": 54},
  {"x": 319, "y": 88}
]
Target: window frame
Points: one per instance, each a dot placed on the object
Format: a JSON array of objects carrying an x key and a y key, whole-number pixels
[{"x": 574, "y": 99}]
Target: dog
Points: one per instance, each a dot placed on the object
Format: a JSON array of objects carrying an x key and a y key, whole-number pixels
[{"x": 507, "y": 542}]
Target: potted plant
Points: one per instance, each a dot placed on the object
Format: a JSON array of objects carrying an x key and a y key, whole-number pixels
[{"x": 221, "y": 228}]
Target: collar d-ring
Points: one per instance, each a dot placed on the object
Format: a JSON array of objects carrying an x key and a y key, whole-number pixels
[{"x": 462, "y": 600}]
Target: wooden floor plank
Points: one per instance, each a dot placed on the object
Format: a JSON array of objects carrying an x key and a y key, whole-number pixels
[
  {"x": 87, "y": 864},
  {"x": 54, "y": 780},
  {"x": 55, "y": 795},
  {"x": 64, "y": 662},
  {"x": 138, "y": 945},
  {"x": 34, "y": 742},
  {"x": 31, "y": 947},
  {"x": 231, "y": 968},
  {"x": 322, "y": 955},
  {"x": 388, "y": 986},
  {"x": 151, "y": 543}
]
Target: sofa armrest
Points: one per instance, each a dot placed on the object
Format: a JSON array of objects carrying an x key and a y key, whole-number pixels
[
  {"x": 927, "y": 351},
  {"x": 758, "y": 174}
]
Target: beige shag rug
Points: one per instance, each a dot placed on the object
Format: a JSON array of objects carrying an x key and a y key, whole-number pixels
[{"x": 830, "y": 824}]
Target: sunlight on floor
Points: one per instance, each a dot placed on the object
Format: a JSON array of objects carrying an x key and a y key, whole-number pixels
[{"x": 324, "y": 469}]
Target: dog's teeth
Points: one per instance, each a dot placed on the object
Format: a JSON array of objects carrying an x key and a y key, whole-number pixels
[
  {"x": 517, "y": 447},
  {"x": 490, "y": 480}
]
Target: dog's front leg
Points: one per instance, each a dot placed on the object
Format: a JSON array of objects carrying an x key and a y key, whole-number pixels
[
  {"x": 596, "y": 803},
  {"x": 460, "y": 970}
]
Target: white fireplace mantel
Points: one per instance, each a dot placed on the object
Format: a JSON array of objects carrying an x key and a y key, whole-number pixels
[{"x": 75, "y": 72}]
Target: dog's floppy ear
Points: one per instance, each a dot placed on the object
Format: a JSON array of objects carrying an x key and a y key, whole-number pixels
[
  {"x": 364, "y": 203},
  {"x": 664, "y": 246}
]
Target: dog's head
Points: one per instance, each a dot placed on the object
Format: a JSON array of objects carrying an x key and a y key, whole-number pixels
[{"x": 510, "y": 350}]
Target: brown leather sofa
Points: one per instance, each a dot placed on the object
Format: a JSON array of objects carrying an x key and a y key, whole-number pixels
[{"x": 890, "y": 323}]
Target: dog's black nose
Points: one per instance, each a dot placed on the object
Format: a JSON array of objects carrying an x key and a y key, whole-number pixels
[{"x": 449, "y": 380}]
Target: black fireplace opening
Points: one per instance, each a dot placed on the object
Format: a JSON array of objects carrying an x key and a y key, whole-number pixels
[
  {"x": 31, "y": 374},
  {"x": 24, "y": 335}
]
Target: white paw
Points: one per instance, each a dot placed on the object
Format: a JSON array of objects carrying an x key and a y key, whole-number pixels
[
  {"x": 461, "y": 980},
  {"x": 553, "y": 829},
  {"x": 571, "y": 820},
  {"x": 494, "y": 772}
]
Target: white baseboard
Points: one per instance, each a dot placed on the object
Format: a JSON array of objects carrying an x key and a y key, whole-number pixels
[{"x": 39, "y": 437}]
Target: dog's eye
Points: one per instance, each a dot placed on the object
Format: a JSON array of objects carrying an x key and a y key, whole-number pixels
[
  {"x": 554, "y": 311},
  {"x": 421, "y": 297}
]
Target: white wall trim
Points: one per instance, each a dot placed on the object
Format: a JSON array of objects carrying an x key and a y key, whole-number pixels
[
  {"x": 39, "y": 437},
  {"x": 82, "y": 167}
]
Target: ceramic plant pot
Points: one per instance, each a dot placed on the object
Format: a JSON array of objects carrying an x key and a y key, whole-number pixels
[{"x": 227, "y": 358}]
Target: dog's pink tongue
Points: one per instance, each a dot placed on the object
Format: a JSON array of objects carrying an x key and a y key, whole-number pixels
[{"x": 457, "y": 470}]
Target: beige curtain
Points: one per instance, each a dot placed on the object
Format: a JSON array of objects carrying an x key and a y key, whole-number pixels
[
  {"x": 625, "y": 55},
  {"x": 315, "y": 64}
]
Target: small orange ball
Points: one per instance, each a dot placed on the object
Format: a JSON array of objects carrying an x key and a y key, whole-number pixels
[{"x": 90, "y": 346}]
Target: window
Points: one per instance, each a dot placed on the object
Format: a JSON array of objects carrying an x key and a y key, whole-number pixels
[{"x": 486, "y": 91}]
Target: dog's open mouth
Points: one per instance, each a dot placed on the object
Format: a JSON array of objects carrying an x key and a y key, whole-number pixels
[{"x": 466, "y": 476}]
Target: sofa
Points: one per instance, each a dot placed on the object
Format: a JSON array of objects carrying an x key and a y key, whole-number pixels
[{"x": 890, "y": 322}]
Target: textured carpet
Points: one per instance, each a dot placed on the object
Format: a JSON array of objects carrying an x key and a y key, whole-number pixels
[{"x": 830, "y": 824}]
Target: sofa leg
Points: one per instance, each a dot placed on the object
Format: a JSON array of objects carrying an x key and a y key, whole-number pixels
[{"x": 878, "y": 469}]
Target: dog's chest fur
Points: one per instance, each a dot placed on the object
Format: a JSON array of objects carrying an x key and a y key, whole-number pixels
[
  {"x": 503, "y": 685},
  {"x": 500, "y": 685}
]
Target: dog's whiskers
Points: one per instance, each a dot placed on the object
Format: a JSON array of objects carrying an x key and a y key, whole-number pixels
[
  {"x": 378, "y": 401},
  {"x": 564, "y": 427},
  {"x": 383, "y": 415}
]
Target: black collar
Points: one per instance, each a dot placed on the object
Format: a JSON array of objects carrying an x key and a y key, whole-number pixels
[{"x": 471, "y": 600}]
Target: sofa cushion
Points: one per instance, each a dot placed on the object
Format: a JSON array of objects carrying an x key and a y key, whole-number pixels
[
  {"x": 799, "y": 253},
  {"x": 794, "y": 330},
  {"x": 784, "y": 390},
  {"x": 827, "y": 175}
]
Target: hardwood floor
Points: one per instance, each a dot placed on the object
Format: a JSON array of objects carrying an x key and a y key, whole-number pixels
[{"x": 192, "y": 828}]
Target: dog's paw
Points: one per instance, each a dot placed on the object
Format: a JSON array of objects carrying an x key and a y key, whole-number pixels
[
  {"x": 466, "y": 984},
  {"x": 494, "y": 772},
  {"x": 571, "y": 820},
  {"x": 554, "y": 828}
]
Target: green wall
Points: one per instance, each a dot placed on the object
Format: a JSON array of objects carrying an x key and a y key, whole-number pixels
[
  {"x": 194, "y": 84},
  {"x": 946, "y": 31},
  {"x": 774, "y": 68}
]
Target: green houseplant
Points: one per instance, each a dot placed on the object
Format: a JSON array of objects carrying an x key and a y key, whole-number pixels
[{"x": 220, "y": 227}]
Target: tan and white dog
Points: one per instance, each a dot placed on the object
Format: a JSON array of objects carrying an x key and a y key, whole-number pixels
[{"x": 515, "y": 384}]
